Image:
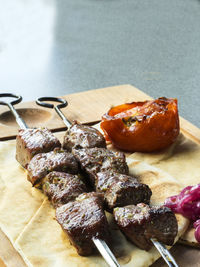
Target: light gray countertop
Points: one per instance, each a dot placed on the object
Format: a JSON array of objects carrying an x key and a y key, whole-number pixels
[{"x": 57, "y": 47}]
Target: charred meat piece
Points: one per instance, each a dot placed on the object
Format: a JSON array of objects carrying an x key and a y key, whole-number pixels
[
  {"x": 44, "y": 163},
  {"x": 62, "y": 188},
  {"x": 94, "y": 160},
  {"x": 33, "y": 141},
  {"x": 83, "y": 220},
  {"x": 81, "y": 136},
  {"x": 140, "y": 223},
  {"x": 121, "y": 190}
]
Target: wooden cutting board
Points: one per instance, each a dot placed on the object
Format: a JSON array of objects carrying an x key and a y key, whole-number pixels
[{"x": 86, "y": 107}]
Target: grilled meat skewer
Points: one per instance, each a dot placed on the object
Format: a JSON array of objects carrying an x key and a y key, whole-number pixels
[
  {"x": 94, "y": 160},
  {"x": 140, "y": 223},
  {"x": 121, "y": 190},
  {"x": 32, "y": 141},
  {"x": 44, "y": 163},
  {"x": 80, "y": 136},
  {"x": 77, "y": 136},
  {"x": 62, "y": 188},
  {"x": 83, "y": 220}
]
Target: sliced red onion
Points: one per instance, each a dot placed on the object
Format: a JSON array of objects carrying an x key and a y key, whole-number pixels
[
  {"x": 197, "y": 233},
  {"x": 187, "y": 203},
  {"x": 196, "y": 224}
]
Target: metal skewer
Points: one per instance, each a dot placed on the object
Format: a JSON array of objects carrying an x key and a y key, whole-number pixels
[
  {"x": 106, "y": 252},
  {"x": 40, "y": 102},
  {"x": 10, "y": 105},
  {"x": 167, "y": 256},
  {"x": 99, "y": 243}
]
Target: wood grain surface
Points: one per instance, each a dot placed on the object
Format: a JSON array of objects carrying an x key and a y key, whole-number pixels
[{"x": 86, "y": 107}]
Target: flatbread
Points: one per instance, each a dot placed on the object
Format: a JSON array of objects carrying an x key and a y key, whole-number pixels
[
  {"x": 28, "y": 219},
  {"x": 162, "y": 185},
  {"x": 18, "y": 199},
  {"x": 181, "y": 160}
]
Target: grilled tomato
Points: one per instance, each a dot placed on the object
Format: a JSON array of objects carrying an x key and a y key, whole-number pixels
[{"x": 142, "y": 126}]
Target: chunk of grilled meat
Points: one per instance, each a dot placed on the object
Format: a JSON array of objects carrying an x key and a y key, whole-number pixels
[
  {"x": 140, "y": 223},
  {"x": 62, "y": 188},
  {"x": 121, "y": 190},
  {"x": 81, "y": 136},
  {"x": 30, "y": 142},
  {"x": 83, "y": 220},
  {"x": 94, "y": 160},
  {"x": 44, "y": 163}
]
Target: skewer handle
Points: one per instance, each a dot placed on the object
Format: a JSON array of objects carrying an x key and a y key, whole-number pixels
[
  {"x": 106, "y": 252},
  {"x": 18, "y": 119},
  {"x": 165, "y": 253},
  {"x": 18, "y": 99},
  {"x": 40, "y": 101},
  {"x": 65, "y": 120}
]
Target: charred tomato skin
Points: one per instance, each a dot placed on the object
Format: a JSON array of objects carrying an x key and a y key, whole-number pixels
[{"x": 146, "y": 126}]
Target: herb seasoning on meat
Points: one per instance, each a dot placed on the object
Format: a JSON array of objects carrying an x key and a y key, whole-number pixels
[
  {"x": 94, "y": 160},
  {"x": 83, "y": 220},
  {"x": 140, "y": 223},
  {"x": 62, "y": 188},
  {"x": 44, "y": 163},
  {"x": 120, "y": 189},
  {"x": 81, "y": 136},
  {"x": 30, "y": 142}
]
